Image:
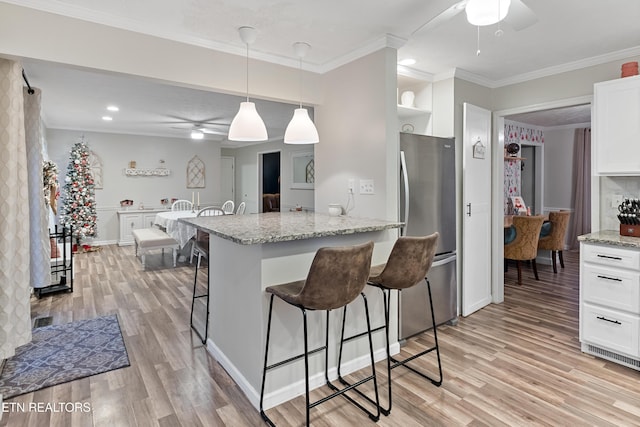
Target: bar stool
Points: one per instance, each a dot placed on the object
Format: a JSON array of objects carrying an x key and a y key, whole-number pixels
[
  {"x": 407, "y": 266},
  {"x": 336, "y": 277}
]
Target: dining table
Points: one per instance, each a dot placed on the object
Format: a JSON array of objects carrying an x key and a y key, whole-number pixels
[{"x": 180, "y": 231}]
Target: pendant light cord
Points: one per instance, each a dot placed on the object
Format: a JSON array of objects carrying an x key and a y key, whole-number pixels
[
  {"x": 300, "y": 81},
  {"x": 247, "y": 72}
]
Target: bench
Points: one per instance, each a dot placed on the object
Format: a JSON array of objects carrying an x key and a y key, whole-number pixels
[{"x": 147, "y": 239}]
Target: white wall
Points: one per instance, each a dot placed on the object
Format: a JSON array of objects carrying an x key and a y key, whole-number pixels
[
  {"x": 116, "y": 150},
  {"x": 246, "y": 175}
]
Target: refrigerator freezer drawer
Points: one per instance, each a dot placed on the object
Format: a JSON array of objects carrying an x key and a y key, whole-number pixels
[{"x": 414, "y": 311}]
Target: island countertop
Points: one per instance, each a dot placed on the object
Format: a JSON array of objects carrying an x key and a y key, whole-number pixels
[
  {"x": 611, "y": 237},
  {"x": 284, "y": 226}
]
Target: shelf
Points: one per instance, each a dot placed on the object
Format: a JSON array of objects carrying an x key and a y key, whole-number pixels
[
  {"x": 411, "y": 111},
  {"x": 514, "y": 158}
]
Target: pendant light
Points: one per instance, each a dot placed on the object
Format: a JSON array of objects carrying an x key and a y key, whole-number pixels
[
  {"x": 301, "y": 129},
  {"x": 486, "y": 12},
  {"x": 247, "y": 125}
]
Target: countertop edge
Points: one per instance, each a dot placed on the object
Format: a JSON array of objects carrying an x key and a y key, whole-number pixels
[{"x": 610, "y": 237}]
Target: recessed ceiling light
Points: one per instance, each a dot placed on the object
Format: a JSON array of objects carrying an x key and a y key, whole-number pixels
[
  {"x": 407, "y": 61},
  {"x": 107, "y": 118},
  {"x": 197, "y": 134},
  {"x": 113, "y": 108}
]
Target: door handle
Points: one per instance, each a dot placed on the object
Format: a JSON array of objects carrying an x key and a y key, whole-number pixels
[{"x": 469, "y": 209}]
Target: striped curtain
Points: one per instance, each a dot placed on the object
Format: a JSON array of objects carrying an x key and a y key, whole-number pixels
[{"x": 15, "y": 314}]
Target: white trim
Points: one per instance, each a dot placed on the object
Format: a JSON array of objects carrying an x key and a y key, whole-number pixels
[
  {"x": 388, "y": 40},
  {"x": 571, "y": 126}
]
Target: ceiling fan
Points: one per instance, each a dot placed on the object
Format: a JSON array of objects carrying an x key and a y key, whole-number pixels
[
  {"x": 198, "y": 128},
  {"x": 519, "y": 16}
]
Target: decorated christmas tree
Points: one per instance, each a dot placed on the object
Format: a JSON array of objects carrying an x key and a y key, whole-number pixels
[{"x": 78, "y": 211}]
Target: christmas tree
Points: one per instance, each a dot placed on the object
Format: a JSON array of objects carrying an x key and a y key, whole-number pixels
[{"x": 79, "y": 206}]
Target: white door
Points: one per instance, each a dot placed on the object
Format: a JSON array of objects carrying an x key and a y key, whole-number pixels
[
  {"x": 227, "y": 179},
  {"x": 476, "y": 194}
]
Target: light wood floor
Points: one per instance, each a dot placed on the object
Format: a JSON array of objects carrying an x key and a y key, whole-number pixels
[{"x": 517, "y": 363}]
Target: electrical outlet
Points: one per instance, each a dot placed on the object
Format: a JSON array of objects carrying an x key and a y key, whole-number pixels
[
  {"x": 366, "y": 186},
  {"x": 351, "y": 186},
  {"x": 616, "y": 200}
]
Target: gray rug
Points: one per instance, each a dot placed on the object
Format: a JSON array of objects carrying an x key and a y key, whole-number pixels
[{"x": 61, "y": 353}]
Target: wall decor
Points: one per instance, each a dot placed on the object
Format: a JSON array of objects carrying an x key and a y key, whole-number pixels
[
  {"x": 479, "y": 150},
  {"x": 195, "y": 173},
  {"x": 147, "y": 172},
  {"x": 95, "y": 164}
]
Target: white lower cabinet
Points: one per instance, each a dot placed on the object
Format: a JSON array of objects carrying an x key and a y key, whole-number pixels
[
  {"x": 133, "y": 220},
  {"x": 610, "y": 302}
]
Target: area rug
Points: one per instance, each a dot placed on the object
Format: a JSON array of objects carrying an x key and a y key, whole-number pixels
[{"x": 61, "y": 353}]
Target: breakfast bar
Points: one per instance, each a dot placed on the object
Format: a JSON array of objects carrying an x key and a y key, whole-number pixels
[{"x": 249, "y": 253}]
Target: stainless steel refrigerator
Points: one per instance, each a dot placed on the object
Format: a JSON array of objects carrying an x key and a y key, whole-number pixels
[{"x": 427, "y": 205}]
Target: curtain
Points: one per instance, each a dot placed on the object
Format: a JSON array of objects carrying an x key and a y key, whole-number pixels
[
  {"x": 581, "y": 203},
  {"x": 15, "y": 314},
  {"x": 38, "y": 208}
]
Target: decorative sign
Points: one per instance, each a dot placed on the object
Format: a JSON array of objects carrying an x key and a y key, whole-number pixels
[
  {"x": 147, "y": 172},
  {"x": 479, "y": 150}
]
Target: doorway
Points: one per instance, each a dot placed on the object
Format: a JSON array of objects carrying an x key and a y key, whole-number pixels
[{"x": 269, "y": 179}]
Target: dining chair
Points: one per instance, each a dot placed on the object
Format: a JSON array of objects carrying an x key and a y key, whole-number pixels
[
  {"x": 182, "y": 205},
  {"x": 201, "y": 239},
  {"x": 241, "y": 207},
  {"x": 554, "y": 241},
  {"x": 524, "y": 246},
  {"x": 228, "y": 206}
]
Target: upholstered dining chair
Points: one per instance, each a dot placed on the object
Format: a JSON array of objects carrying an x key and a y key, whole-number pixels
[
  {"x": 228, "y": 206},
  {"x": 554, "y": 241},
  {"x": 181, "y": 205},
  {"x": 525, "y": 245}
]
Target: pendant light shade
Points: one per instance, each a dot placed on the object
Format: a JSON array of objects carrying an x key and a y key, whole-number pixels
[
  {"x": 247, "y": 125},
  {"x": 486, "y": 12},
  {"x": 301, "y": 129}
]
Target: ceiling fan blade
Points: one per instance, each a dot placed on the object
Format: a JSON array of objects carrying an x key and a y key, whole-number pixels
[
  {"x": 520, "y": 16},
  {"x": 213, "y": 131},
  {"x": 441, "y": 18}
]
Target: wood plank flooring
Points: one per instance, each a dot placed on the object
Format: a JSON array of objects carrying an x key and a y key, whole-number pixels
[{"x": 516, "y": 363}]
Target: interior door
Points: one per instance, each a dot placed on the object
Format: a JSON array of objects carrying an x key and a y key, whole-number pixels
[
  {"x": 476, "y": 194},
  {"x": 227, "y": 179}
]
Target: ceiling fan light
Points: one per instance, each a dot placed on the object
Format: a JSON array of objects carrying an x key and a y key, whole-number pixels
[
  {"x": 301, "y": 129},
  {"x": 197, "y": 134},
  {"x": 486, "y": 12},
  {"x": 247, "y": 125}
]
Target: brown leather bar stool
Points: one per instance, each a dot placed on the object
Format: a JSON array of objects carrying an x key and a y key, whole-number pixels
[
  {"x": 407, "y": 266},
  {"x": 336, "y": 277}
]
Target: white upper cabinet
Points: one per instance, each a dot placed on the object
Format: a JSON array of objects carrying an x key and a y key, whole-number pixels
[{"x": 616, "y": 127}]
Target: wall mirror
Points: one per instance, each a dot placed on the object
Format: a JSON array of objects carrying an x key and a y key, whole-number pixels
[{"x": 302, "y": 170}]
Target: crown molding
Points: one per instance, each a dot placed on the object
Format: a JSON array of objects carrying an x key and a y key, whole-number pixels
[
  {"x": 403, "y": 70},
  {"x": 387, "y": 40}
]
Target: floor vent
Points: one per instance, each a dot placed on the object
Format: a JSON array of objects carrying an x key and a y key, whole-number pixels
[
  {"x": 614, "y": 357},
  {"x": 42, "y": 321}
]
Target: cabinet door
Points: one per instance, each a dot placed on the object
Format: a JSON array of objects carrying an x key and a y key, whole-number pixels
[
  {"x": 149, "y": 220},
  {"x": 128, "y": 223},
  {"x": 616, "y": 126}
]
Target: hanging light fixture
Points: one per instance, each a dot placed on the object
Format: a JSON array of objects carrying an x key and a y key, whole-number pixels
[
  {"x": 247, "y": 125},
  {"x": 486, "y": 12},
  {"x": 301, "y": 129}
]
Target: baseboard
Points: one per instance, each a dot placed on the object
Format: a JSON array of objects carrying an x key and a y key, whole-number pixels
[{"x": 296, "y": 389}]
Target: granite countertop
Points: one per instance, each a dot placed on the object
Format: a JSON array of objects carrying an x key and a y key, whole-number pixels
[
  {"x": 611, "y": 237},
  {"x": 284, "y": 226}
]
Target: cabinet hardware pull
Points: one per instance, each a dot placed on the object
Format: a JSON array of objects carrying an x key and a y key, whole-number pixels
[
  {"x": 609, "y": 278},
  {"x": 469, "y": 209},
  {"x": 608, "y": 320},
  {"x": 610, "y": 257}
]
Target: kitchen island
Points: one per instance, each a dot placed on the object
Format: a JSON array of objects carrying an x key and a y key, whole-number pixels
[{"x": 249, "y": 253}]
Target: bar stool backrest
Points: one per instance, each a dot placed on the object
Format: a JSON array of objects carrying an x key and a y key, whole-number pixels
[
  {"x": 409, "y": 262},
  {"x": 336, "y": 277}
]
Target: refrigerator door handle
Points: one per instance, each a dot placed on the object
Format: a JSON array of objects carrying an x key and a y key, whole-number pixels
[
  {"x": 405, "y": 178},
  {"x": 469, "y": 209}
]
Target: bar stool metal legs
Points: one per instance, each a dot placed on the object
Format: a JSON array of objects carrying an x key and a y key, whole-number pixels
[
  {"x": 203, "y": 337},
  {"x": 337, "y": 392}
]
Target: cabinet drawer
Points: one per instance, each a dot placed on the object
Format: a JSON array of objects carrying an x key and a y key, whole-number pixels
[
  {"x": 616, "y": 288},
  {"x": 610, "y": 329},
  {"x": 612, "y": 256}
]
